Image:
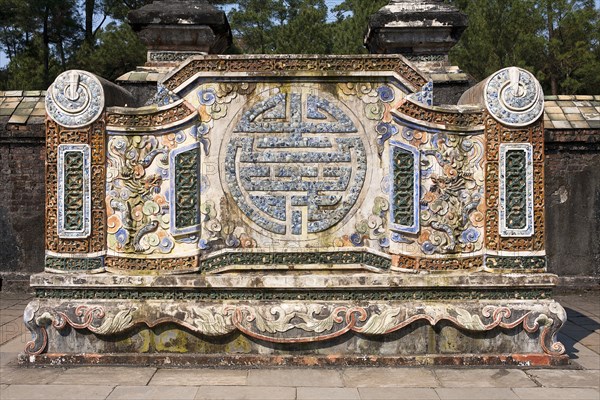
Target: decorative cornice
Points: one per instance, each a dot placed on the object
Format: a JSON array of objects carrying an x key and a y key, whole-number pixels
[
  {"x": 439, "y": 118},
  {"x": 148, "y": 118},
  {"x": 280, "y": 64}
]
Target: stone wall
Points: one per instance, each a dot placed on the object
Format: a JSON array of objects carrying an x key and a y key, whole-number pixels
[
  {"x": 22, "y": 155},
  {"x": 573, "y": 201}
]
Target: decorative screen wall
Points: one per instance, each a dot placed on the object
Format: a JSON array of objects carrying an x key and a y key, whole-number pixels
[{"x": 331, "y": 163}]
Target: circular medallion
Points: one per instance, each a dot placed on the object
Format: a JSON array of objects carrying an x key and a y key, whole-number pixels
[
  {"x": 295, "y": 163},
  {"x": 75, "y": 99},
  {"x": 514, "y": 97}
]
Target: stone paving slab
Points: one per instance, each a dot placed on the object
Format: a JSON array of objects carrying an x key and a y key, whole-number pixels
[
  {"x": 105, "y": 376},
  {"x": 14, "y": 296},
  {"x": 329, "y": 393},
  {"x": 245, "y": 393},
  {"x": 588, "y": 362},
  {"x": 153, "y": 393},
  {"x": 17, "y": 344},
  {"x": 389, "y": 393},
  {"x": 295, "y": 377},
  {"x": 556, "y": 394},
  {"x": 55, "y": 392},
  {"x": 7, "y": 358},
  {"x": 199, "y": 377},
  {"x": 11, "y": 330},
  {"x": 476, "y": 393},
  {"x": 13, "y": 313},
  {"x": 483, "y": 378},
  {"x": 565, "y": 378},
  {"x": 388, "y": 377},
  {"x": 27, "y": 376}
]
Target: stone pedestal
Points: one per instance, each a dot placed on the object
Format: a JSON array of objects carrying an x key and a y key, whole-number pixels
[
  {"x": 424, "y": 32},
  {"x": 257, "y": 319},
  {"x": 177, "y": 29}
]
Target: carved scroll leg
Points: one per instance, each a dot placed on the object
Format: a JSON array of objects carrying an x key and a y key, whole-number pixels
[
  {"x": 549, "y": 322},
  {"x": 548, "y": 339},
  {"x": 37, "y": 327}
]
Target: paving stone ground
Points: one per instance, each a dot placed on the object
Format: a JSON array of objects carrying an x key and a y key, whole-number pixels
[{"x": 581, "y": 336}]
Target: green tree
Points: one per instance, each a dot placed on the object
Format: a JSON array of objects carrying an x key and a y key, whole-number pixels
[
  {"x": 303, "y": 28},
  {"x": 281, "y": 26},
  {"x": 252, "y": 23},
  {"x": 349, "y": 30},
  {"x": 42, "y": 38},
  {"x": 107, "y": 58},
  {"x": 558, "y": 40}
]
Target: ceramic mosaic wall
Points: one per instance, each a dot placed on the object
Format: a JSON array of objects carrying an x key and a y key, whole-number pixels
[{"x": 348, "y": 166}]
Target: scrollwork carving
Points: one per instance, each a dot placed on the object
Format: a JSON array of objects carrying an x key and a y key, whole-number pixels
[{"x": 292, "y": 322}]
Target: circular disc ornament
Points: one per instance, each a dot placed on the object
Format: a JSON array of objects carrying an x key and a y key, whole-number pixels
[
  {"x": 514, "y": 97},
  {"x": 75, "y": 99}
]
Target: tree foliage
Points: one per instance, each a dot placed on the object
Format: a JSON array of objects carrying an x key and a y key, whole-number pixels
[
  {"x": 281, "y": 26},
  {"x": 42, "y": 38},
  {"x": 351, "y": 25},
  {"x": 558, "y": 40}
]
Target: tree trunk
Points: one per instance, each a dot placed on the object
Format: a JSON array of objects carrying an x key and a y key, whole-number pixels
[
  {"x": 61, "y": 51},
  {"x": 89, "y": 21},
  {"x": 551, "y": 60},
  {"x": 46, "y": 49}
]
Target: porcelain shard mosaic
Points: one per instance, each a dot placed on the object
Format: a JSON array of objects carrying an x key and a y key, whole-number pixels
[
  {"x": 295, "y": 172},
  {"x": 295, "y": 166},
  {"x": 292, "y": 165}
]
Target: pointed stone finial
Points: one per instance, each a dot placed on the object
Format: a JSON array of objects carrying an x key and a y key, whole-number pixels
[
  {"x": 176, "y": 29},
  {"x": 421, "y": 30}
]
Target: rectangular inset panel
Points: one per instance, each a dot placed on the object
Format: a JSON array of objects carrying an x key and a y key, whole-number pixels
[
  {"x": 404, "y": 210},
  {"x": 516, "y": 190},
  {"x": 185, "y": 190},
  {"x": 74, "y": 204}
]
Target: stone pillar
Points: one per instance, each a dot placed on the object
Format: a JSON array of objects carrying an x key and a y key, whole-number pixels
[
  {"x": 175, "y": 30},
  {"x": 422, "y": 31}
]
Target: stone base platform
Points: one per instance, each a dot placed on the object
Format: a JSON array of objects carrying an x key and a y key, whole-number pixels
[
  {"x": 175, "y": 360},
  {"x": 297, "y": 319}
]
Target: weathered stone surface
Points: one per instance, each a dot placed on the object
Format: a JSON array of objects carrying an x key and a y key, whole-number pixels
[
  {"x": 199, "y": 377},
  {"x": 182, "y": 25},
  {"x": 14, "y": 375},
  {"x": 555, "y": 393},
  {"x": 568, "y": 378},
  {"x": 477, "y": 393},
  {"x": 388, "y": 377},
  {"x": 295, "y": 377},
  {"x": 65, "y": 392},
  {"x": 316, "y": 393},
  {"x": 245, "y": 393},
  {"x": 388, "y": 393},
  {"x": 415, "y": 28},
  {"x": 105, "y": 376},
  {"x": 126, "y": 392},
  {"x": 492, "y": 378}
]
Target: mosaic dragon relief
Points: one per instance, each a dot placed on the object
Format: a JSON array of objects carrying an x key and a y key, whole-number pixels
[
  {"x": 289, "y": 323},
  {"x": 138, "y": 195}
]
